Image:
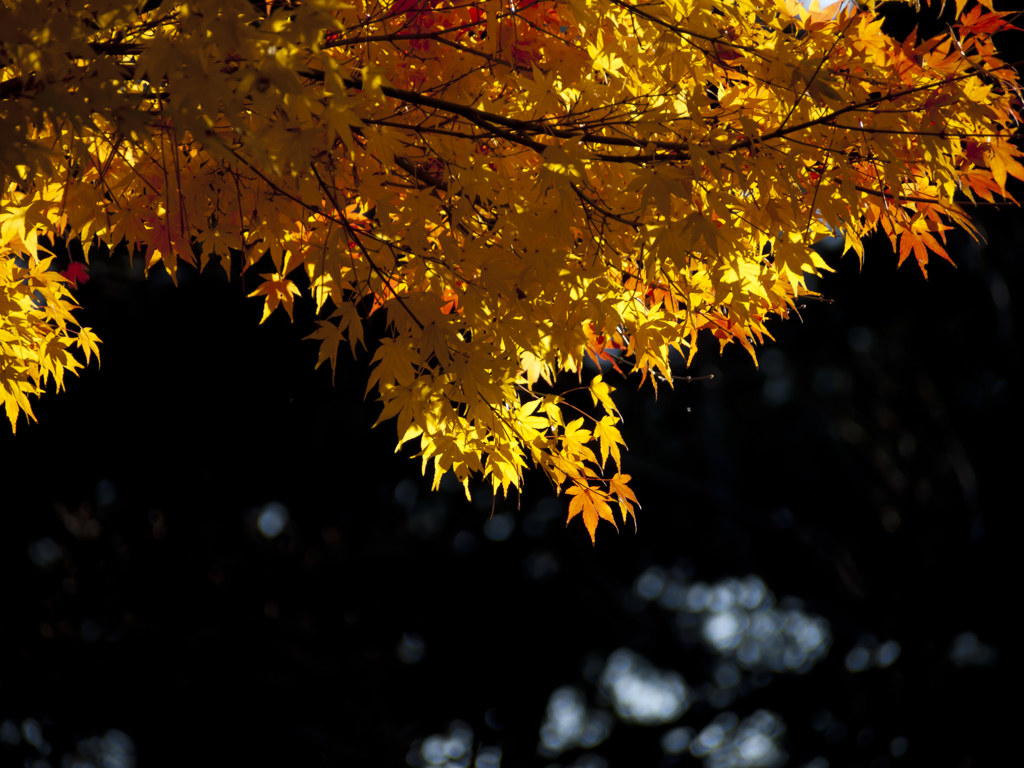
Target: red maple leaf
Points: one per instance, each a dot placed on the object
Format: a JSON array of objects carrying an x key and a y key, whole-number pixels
[{"x": 77, "y": 272}]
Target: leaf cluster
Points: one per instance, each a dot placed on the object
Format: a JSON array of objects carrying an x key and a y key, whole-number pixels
[{"x": 517, "y": 188}]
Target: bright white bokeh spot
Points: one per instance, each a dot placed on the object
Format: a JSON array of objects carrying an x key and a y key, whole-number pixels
[
  {"x": 640, "y": 693},
  {"x": 568, "y": 723},
  {"x": 737, "y": 618},
  {"x": 433, "y": 749},
  {"x": 452, "y": 750},
  {"x": 727, "y": 742},
  {"x": 564, "y": 721},
  {"x": 722, "y": 630}
]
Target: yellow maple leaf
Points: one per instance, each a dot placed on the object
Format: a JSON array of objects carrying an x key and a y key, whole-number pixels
[
  {"x": 395, "y": 363},
  {"x": 574, "y": 440},
  {"x": 610, "y": 439},
  {"x": 601, "y": 392},
  {"x": 89, "y": 341}
]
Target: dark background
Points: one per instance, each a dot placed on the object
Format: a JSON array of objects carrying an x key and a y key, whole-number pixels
[{"x": 868, "y": 468}]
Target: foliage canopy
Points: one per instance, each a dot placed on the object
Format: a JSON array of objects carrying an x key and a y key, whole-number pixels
[{"x": 516, "y": 186}]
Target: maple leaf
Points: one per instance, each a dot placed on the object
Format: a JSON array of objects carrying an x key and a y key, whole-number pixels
[
  {"x": 1001, "y": 161},
  {"x": 76, "y": 273},
  {"x": 89, "y": 343},
  {"x": 395, "y": 364},
  {"x": 278, "y": 290},
  {"x": 574, "y": 440},
  {"x": 601, "y": 393},
  {"x": 529, "y": 425},
  {"x": 593, "y": 505},
  {"x": 610, "y": 440},
  {"x": 618, "y": 486},
  {"x": 332, "y": 334}
]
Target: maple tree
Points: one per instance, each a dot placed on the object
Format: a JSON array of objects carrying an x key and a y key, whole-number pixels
[{"x": 516, "y": 186}]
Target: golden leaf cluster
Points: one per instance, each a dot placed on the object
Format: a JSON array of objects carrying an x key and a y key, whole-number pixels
[{"x": 517, "y": 187}]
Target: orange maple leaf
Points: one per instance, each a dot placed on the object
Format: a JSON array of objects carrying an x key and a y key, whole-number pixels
[
  {"x": 618, "y": 485},
  {"x": 278, "y": 290},
  {"x": 594, "y": 506}
]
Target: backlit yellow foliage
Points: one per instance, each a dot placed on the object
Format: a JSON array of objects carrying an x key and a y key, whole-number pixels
[{"x": 516, "y": 186}]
